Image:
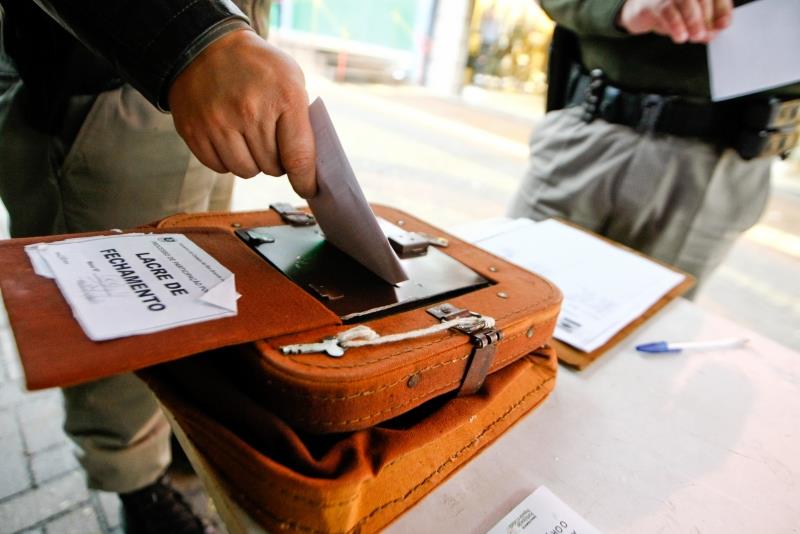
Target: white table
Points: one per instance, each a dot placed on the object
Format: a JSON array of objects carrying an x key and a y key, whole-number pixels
[{"x": 695, "y": 442}]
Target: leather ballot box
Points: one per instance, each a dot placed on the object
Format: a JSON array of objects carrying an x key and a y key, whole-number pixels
[
  {"x": 282, "y": 306},
  {"x": 311, "y": 442}
]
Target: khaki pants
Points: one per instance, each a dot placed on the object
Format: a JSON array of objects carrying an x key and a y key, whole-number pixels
[
  {"x": 678, "y": 200},
  {"x": 117, "y": 164}
]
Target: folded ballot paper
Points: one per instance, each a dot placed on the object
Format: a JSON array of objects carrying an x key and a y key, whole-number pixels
[
  {"x": 605, "y": 287},
  {"x": 341, "y": 208},
  {"x": 128, "y": 284}
]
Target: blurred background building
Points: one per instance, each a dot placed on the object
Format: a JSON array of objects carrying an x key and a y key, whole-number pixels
[{"x": 441, "y": 44}]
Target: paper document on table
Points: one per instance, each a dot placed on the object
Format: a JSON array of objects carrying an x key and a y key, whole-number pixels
[
  {"x": 605, "y": 287},
  {"x": 542, "y": 512},
  {"x": 340, "y": 207},
  {"x": 127, "y": 284},
  {"x": 758, "y": 51}
]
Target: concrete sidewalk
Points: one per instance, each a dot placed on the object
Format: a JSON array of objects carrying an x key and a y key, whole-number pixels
[{"x": 42, "y": 487}]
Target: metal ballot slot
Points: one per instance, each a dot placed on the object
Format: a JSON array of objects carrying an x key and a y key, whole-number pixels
[{"x": 349, "y": 289}]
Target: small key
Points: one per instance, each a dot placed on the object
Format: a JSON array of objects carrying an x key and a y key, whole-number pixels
[{"x": 329, "y": 345}]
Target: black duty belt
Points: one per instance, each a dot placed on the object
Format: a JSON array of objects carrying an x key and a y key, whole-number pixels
[{"x": 754, "y": 127}]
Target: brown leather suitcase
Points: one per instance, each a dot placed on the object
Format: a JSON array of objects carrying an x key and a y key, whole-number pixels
[
  {"x": 307, "y": 442},
  {"x": 367, "y": 385},
  {"x": 353, "y": 482},
  {"x": 312, "y": 392}
]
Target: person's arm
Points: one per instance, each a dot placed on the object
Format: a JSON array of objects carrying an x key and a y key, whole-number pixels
[
  {"x": 586, "y": 17},
  {"x": 681, "y": 20},
  {"x": 239, "y": 103},
  {"x": 147, "y": 41}
]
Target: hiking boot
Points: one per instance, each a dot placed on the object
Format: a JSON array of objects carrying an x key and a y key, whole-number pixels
[{"x": 160, "y": 509}]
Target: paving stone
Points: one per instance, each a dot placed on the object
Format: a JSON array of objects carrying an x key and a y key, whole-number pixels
[
  {"x": 35, "y": 506},
  {"x": 11, "y": 393},
  {"x": 53, "y": 462},
  {"x": 40, "y": 407},
  {"x": 9, "y": 362},
  {"x": 8, "y": 423},
  {"x": 14, "y": 476},
  {"x": 110, "y": 506},
  {"x": 81, "y": 521},
  {"x": 14, "y": 369},
  {"x": 43, "y": 433}
]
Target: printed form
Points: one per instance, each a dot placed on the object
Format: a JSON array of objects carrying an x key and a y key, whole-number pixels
[
  {"x": 605, "y": 287},
  {"x": 758, "y": 51},
  {"x": 128, "y": 284}
]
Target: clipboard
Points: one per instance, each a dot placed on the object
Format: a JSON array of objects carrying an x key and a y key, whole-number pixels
[{"x": 579, "y": 359}]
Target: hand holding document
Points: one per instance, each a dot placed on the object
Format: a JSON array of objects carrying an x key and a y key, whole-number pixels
[
  {"x": 127, "y": 284},
  {"x": 340, "y": 206},
  {"x": 605, "y": 287},
  {"x": 758, "y": 51}
]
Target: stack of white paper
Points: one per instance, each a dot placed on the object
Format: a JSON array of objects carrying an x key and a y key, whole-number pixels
[
  {"x": 129, "y": 284},
  {"x": 604, "y": 287}
]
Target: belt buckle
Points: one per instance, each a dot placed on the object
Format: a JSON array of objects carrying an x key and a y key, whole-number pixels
[{"x": 652, "y": 107}]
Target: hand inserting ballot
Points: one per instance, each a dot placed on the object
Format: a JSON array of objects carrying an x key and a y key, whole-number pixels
[{"x": 241, "y": 107}]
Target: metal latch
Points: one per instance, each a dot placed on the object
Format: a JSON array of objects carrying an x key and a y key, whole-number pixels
[
  {"x": 484, "y": 347},
  {"x": 409, "y": 245},
  {"x": 292, "y": 216}
]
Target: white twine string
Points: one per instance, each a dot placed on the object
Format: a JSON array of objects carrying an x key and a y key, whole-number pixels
[{"x": 363, "y": 336}]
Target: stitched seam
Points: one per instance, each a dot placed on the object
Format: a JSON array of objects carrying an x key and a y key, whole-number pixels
[
  {"x": 537, "y": 364},
  {"x": 365, "y": 393},
  {"x": 295, "y": 525},
  {"x": 188, "y": 218},
  {"x": 308, "y": 500},
  {"x": 384, "y": 411},
  {"x": 166, "y": 24},
  {"x": 458, "y": 453}
]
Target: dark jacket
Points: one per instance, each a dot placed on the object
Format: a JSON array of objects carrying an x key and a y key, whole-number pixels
[{"x": 63, "y": 48}]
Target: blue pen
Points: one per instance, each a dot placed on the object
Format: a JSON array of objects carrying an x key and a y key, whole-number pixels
[{"x": 659, "y": 347}]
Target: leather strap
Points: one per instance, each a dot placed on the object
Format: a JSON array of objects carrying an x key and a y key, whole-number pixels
[{"x": 478, "y": 367}]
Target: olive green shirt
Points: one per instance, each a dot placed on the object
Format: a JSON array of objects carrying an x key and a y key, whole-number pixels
[{"x": 647, "y": 63}]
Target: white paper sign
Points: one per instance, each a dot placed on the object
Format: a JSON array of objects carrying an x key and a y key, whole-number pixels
[
  {"x": 136, "y": 283},
  {"x": 758, "y": 51},
  {"x": 543, "y": 513}
]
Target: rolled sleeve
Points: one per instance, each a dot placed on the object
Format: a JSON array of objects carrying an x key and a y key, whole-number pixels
[
  {"x": 192, "y": 51},
  {"x": 148, "y": 41}
]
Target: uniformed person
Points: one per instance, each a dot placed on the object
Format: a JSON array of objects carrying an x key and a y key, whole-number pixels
[{"x": 641, "y": 154}]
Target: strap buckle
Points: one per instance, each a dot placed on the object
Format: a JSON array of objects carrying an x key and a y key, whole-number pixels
[{"x": 484, "y": 347}]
